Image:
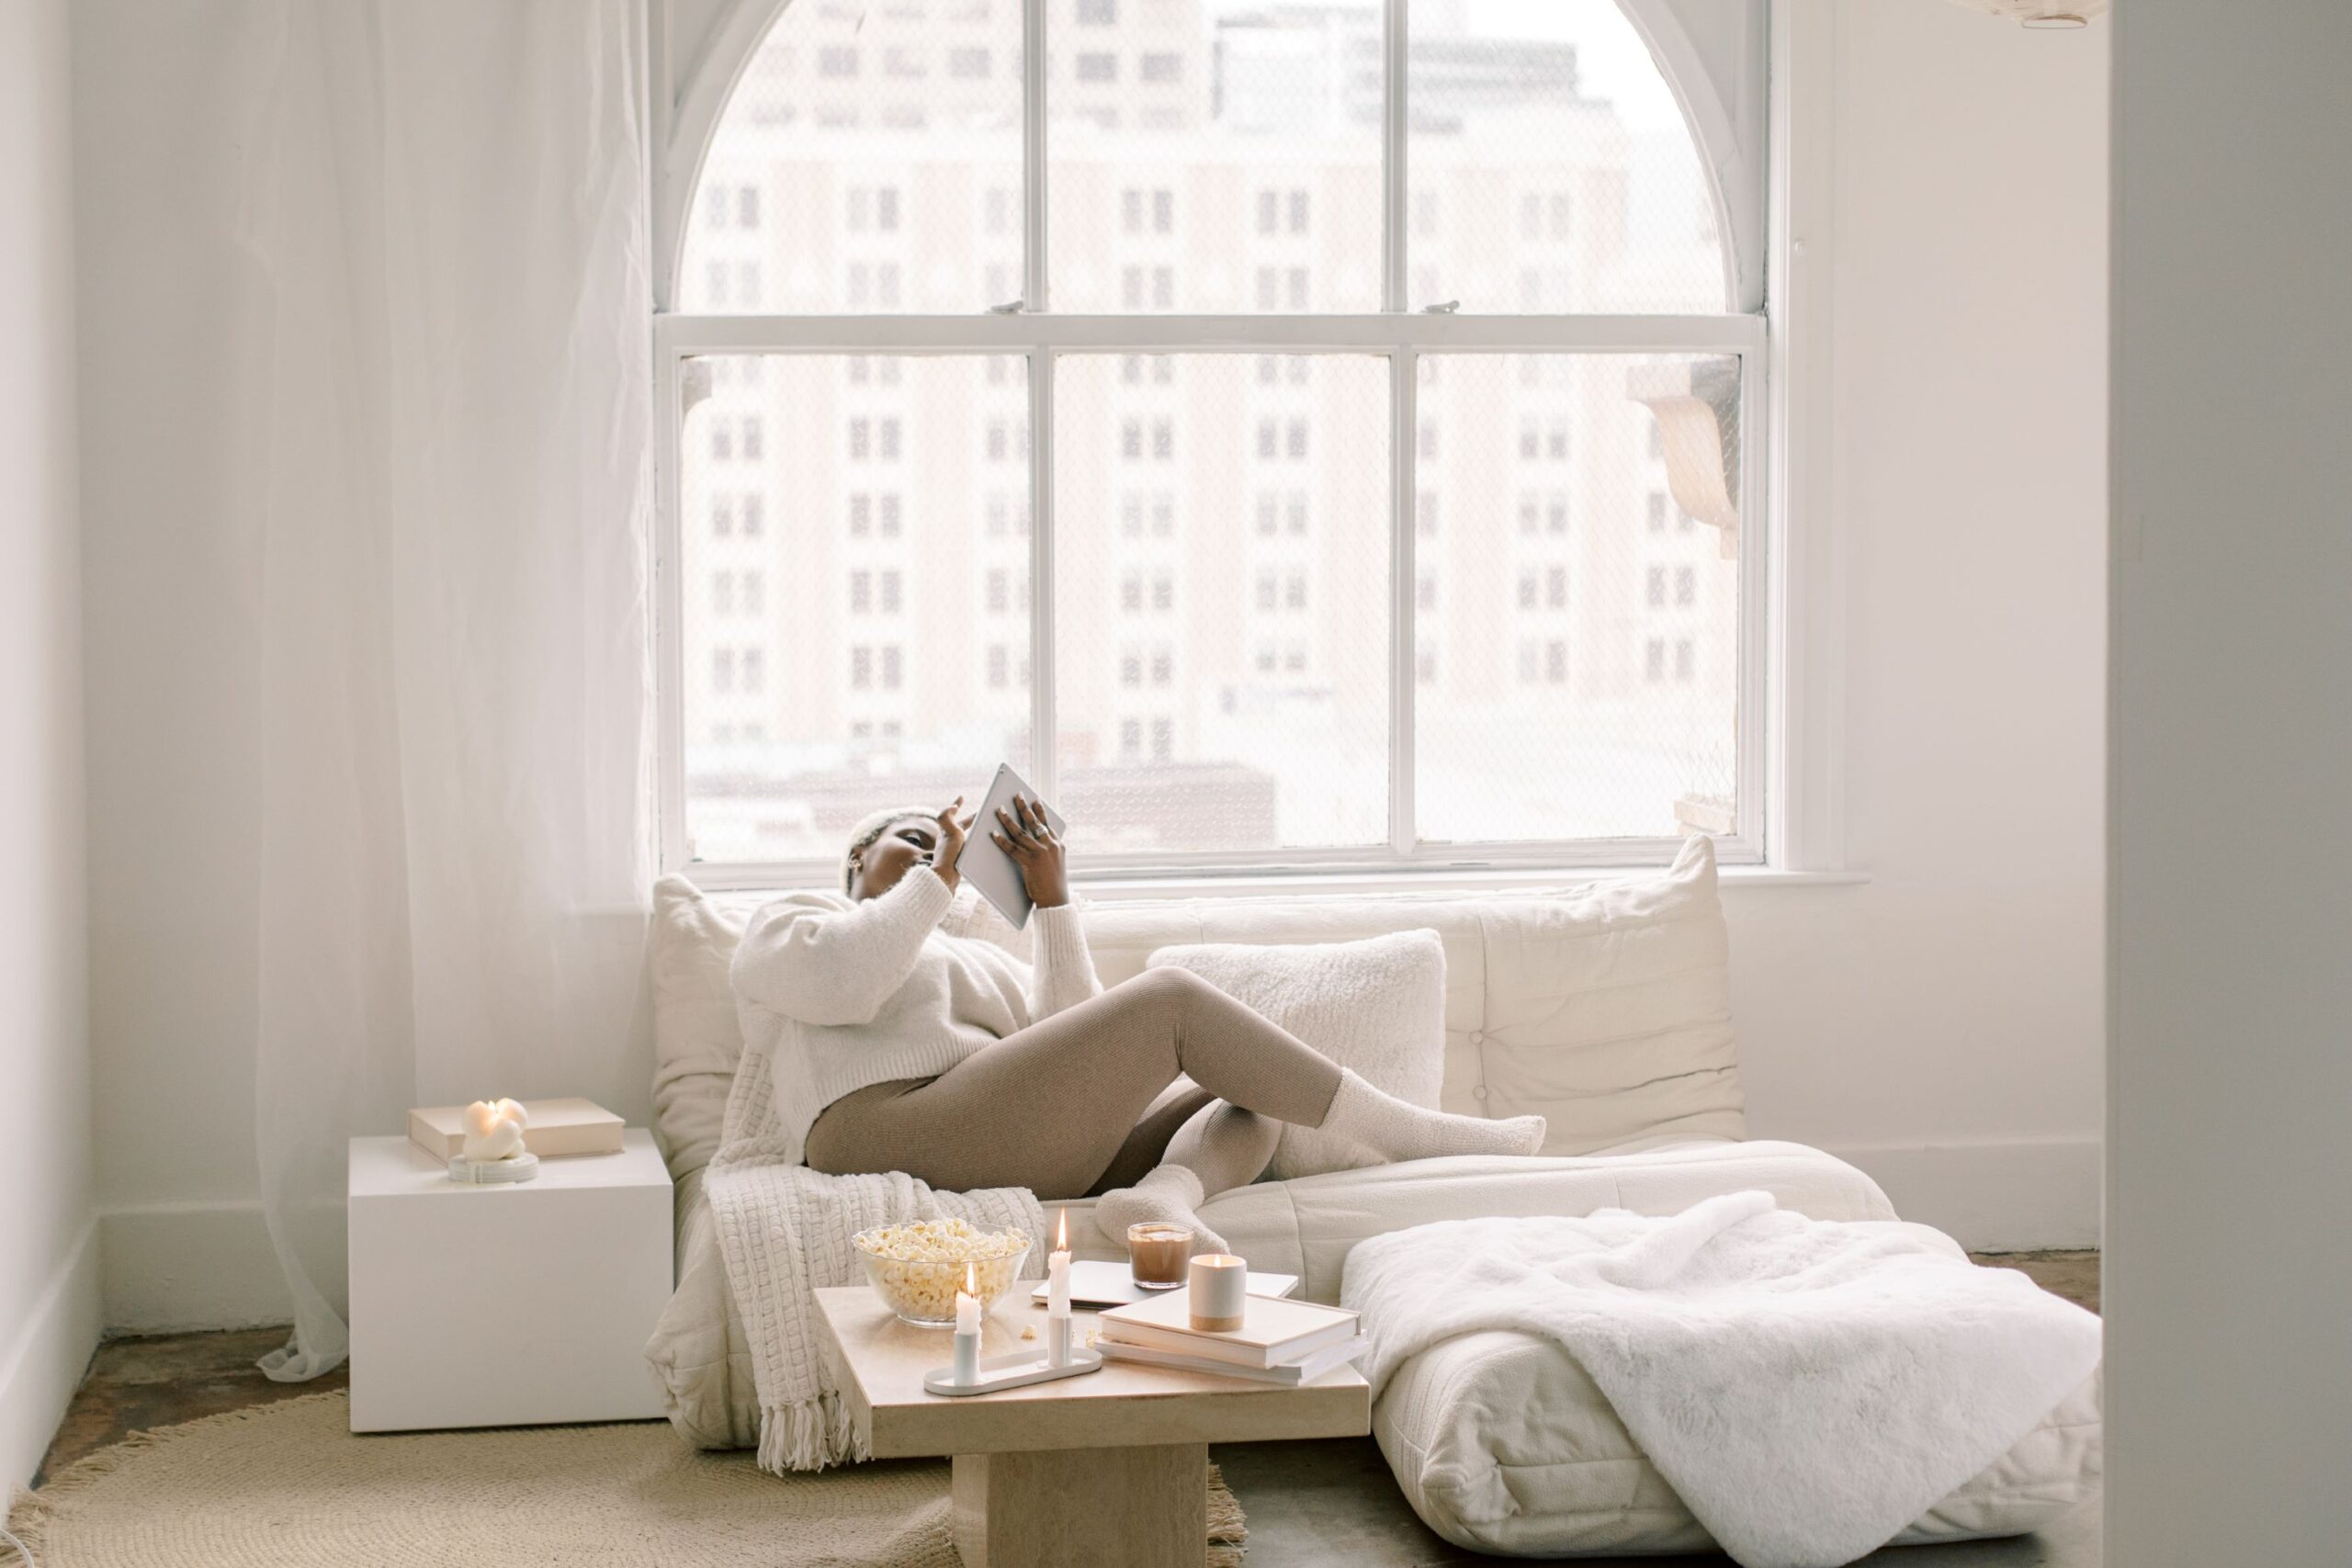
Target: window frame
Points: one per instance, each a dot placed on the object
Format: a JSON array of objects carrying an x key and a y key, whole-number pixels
[{"x": 1401, "y": 332}]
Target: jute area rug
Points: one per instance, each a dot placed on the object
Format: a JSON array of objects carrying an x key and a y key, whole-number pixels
[{"x": 286, "y": 1485}]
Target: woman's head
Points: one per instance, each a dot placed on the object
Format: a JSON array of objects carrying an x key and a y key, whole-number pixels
[{"x": 886, "y": 845}]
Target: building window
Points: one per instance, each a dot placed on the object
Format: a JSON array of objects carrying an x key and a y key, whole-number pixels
[{"x": 870, "y": 485}]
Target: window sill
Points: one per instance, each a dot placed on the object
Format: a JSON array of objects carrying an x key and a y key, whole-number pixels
[
  {"x": 1120, "y": 890},
  {"x": 1439, "y": 885}
]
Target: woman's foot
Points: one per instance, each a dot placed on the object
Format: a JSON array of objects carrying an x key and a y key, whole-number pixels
[
  {"x": 1398, "y": 1130},
  {"x": 1167, "y": 1194}
]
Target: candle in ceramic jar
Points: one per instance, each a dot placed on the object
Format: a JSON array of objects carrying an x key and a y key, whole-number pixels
[{"x": 1220, "y": 1286}]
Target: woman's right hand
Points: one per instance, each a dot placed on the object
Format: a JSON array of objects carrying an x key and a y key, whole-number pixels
[{"x": 951, "y": 843}]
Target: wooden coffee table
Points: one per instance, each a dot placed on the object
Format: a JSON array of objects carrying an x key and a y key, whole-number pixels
[{"x": 1080, "y": 1472}]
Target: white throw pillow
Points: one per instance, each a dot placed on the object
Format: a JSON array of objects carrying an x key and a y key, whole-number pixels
[{"x": 1377, "y": 1006}]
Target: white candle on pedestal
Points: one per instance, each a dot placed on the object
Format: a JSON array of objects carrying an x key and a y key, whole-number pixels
[
  {"x": 967, "y": 1329},
  {"x": 1057, "y": 1295}
]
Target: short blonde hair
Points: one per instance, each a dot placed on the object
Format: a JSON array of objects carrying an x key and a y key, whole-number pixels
[{"x": 871, "y": 828}]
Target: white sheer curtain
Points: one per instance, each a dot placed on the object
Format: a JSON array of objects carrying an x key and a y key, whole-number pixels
[{"x": 433, "y": 400}]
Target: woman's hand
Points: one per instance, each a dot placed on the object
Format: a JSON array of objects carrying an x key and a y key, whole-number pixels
[
  {"x": 951, "y": 843},
  {"x": 1022, "y": 834}
]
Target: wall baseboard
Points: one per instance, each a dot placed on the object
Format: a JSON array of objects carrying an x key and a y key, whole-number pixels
[
  {"x": 39, "y": 1372},
  {"x": 2026, "y": 1195},
  {"x": 176, "y": 1268}
]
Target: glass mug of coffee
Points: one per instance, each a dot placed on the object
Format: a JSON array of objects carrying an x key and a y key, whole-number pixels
[{"x": 1157, "y": 1253}]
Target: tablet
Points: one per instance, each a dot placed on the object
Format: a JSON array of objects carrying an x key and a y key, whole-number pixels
[{"x": 992, "y": 870}]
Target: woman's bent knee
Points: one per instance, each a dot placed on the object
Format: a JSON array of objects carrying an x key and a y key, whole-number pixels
[{"x": 1170, "y": 981}]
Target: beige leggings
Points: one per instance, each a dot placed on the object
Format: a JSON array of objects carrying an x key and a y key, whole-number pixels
[{"x": 1068, "y": 1106}]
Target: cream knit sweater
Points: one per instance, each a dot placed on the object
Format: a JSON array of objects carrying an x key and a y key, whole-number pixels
[{"x": 843, "y": 993}]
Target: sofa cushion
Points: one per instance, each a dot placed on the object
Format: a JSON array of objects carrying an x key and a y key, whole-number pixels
[
  {"x": 697, "y": 1040},
  {"x": 1603, "y": 1007},
  {"x": 1376, "y": 1006}
]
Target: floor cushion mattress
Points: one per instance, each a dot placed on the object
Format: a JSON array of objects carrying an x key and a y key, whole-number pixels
[{"x": 1502, "y": 1444}]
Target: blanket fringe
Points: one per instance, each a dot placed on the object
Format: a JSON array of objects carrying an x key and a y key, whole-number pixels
[{"x": 808, "y": 1434}]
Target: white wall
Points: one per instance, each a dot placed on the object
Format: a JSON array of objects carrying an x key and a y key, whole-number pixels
[
  {"x": 1941, "y": 1024},
  {"x": 49, "y": 1255},
  {"x": 2229, "y": 1354}
]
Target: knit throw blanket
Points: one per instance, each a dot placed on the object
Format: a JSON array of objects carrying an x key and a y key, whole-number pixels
[{"x": 784, "y": 1231}]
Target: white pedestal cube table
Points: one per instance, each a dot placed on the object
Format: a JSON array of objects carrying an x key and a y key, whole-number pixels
[{"x": 506, "y": 1305}]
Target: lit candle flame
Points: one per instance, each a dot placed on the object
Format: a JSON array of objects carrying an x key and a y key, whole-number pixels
[
  {"x": 1061, "y": 1231},
  {"x": 971, "y": 1280}
]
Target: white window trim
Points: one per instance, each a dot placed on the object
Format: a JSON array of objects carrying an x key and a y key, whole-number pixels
[
  {"x": 1805, "y": 822},
  {"x": 1790, "y": 767}
]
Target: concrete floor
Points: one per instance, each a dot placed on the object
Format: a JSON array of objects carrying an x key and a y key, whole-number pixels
[{"x": 1321, "y": 1505}]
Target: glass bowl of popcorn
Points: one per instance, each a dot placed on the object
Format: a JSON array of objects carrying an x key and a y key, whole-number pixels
[{"x": 918, "y": 1268}]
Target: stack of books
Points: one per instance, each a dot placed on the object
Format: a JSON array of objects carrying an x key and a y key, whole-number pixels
[{"x": 1278, "y": 1342}]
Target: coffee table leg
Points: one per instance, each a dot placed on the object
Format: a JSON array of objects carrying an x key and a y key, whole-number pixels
[{"x": 1139, "y": 1507}]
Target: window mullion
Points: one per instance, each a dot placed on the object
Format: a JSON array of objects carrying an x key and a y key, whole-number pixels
[
  {"x": 1045, "y": 758},
  {"x": 1392, "y": 157},
  {"x": 1403, "y": 640},
  {"x": 1033, "y": 155}
]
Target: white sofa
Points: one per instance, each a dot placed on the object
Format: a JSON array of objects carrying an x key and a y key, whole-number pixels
[{"x": 1605, "y": 1007}]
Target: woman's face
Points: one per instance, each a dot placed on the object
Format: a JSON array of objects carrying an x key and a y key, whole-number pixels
[{"x": 909, "y": 842}]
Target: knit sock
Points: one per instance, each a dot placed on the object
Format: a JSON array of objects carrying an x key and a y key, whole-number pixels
[
  {"x": 1224, "y": 1145},
  {"x": 1398, "y": 1130},
  {"x": 1167, "y": 1194},
  {"x": 1220, "y": 1146}
]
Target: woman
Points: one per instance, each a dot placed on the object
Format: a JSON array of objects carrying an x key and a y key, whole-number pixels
[{"x": 896, "y": 1046}]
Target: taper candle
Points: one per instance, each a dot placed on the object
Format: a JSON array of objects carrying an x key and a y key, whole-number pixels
[
  {"x": 967, "y": 1329},
  {"x": 1057, "y": 1294}
]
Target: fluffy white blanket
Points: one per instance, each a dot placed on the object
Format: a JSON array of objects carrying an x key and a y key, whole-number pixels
[
  {"x": 784, "y": 1231},
  {"x": 1808, "y": 1387}
]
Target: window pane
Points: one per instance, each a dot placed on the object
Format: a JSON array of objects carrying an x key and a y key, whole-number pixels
[
  {"x": 1218, "y": 157},
  {"x": 885, "y": 655},
  {"x": 873, "y": 154},
  {"x": 1587, "y": 626},
  {"x": 1550, "y": 169},
  {"x": 1258, "y": 716}
]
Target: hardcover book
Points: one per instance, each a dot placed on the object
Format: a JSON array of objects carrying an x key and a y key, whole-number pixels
[
  {"x": 1272, "y": 1331},
  {"x": 1290, "y": 1374}
]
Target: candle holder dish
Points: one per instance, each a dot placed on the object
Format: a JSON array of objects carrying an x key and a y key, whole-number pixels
[
  {"x": 1016, "y": 1370},
  {"x": 921, "y": 1291}
]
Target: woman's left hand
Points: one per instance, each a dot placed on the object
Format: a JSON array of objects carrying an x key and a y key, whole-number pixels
[{"x": 1023, "y": 834}]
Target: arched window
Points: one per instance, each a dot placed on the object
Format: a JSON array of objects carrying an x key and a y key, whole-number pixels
[{"x": 1290, "y": 417}]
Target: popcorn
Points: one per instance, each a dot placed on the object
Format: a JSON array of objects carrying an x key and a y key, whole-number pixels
[{"x": 919, "y": 1267}]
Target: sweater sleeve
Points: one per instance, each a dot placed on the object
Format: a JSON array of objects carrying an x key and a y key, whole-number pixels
[
  {"x": 1062, "y": 972},
  {"x": 824, "y": 964}
]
